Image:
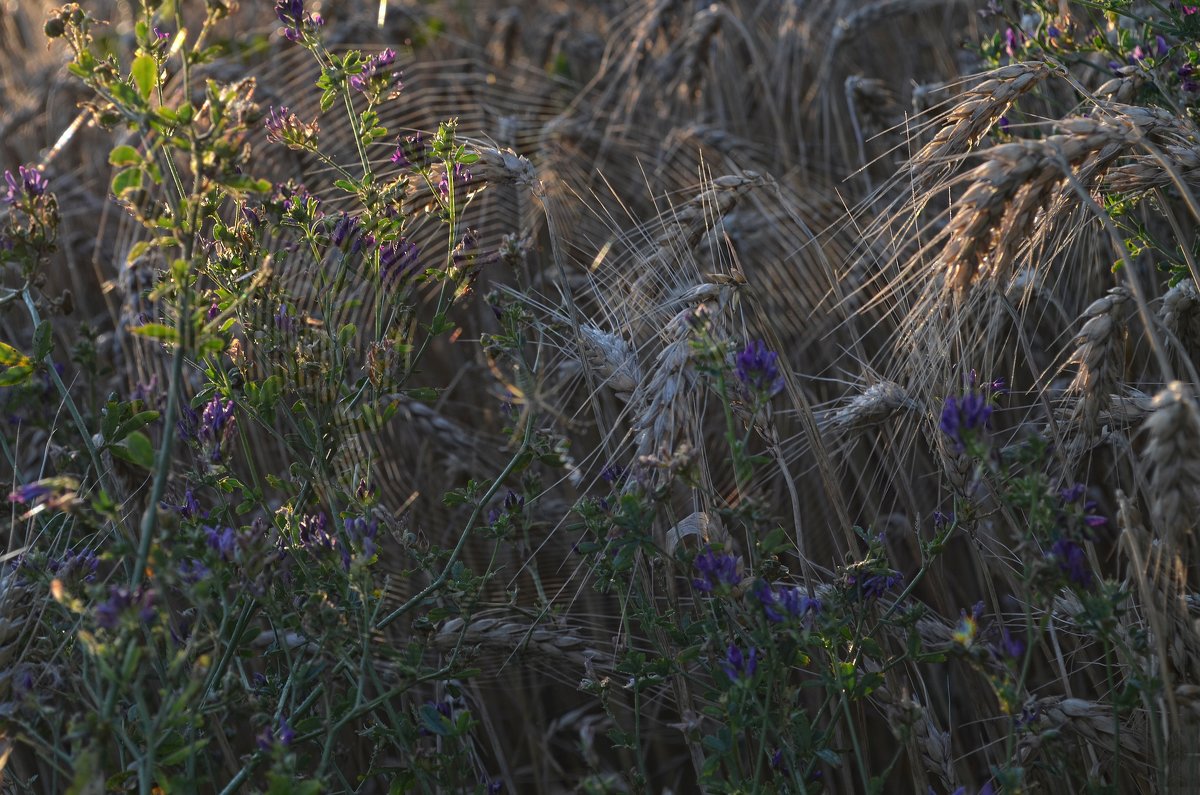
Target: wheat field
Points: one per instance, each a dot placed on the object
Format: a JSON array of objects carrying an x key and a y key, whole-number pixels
[{"x": 752, "y": 396}]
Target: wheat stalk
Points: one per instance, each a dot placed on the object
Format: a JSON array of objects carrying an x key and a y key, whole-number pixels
[
  {"x": 1173, "y": 454},
  {"x": 973, "y": 115},
  {"x": 1099, "y": 355},
  {"x": 994, "y": 218},
  {"x": 1180, "y": 313}
]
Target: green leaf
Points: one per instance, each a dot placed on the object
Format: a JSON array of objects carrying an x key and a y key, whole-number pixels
[
  {"x": 124, "y": 155},
  {"x": 136, "y": 449},
  {"x": 425, "y": 393},
  {"x": 134, "y": 423},
  {"x": 175, "y": 757},
  {"x": 434, "y": 721},
  {"x": 126, "y": 180},
  {"x": 16, "y": 366},
  {"x": 156, "y": 331},
  {"x": 346, "y": 334},
  {"x": 145, "y": 74},
  {"x": 327, "y": 99},
  {"x": 245, "y": 183},
  {"x": 89, "y": 776},
  {"x": 43, "y": 341}
]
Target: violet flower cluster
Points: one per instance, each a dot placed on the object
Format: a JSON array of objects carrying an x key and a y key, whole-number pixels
[
  {"x": 295, "y": 21},
  {"x": 716, "y": 569},
  {"x": 121, "y": 601},
  {"x": 739, "y": 665},
  {"x": 964, "y": 418},
  {"x": 27, "y": 183},
  {"x": 758, "y": 369},
  {"x": 786, "y": 603},
  {"x": 373, "y": 77}
]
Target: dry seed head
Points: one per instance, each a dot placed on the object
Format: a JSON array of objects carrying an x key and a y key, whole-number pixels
[
  {"x": 996, "y": 216},
  {"x": 557, "y": 643},
  {"x": 1087, "y": 720},
  {"x": 1173, "y": 454},
  {"x": 875, "y": 405},
  {"x": 975, "y": 114},
  {"x": 1124, "y": 87},
  {"x": 1180, "y": 313},
  {"x": 614, "y": 359},
  {"x": 1099, "y": 354},
  {"x": 695, "y": 531},
  {"x": 931, "y": 743}
]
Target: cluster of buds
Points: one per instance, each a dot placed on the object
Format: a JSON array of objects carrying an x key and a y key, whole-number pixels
[
  {"x": 285, "y": 127},
  {"x": 375, "y": 81},
  {"x": 31, "y": 223},
  {"x": 296, "y": 23}
]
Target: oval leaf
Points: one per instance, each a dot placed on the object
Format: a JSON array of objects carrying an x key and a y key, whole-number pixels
[
  {"x": 145, "y": 74},
  {"x": 126, "y": 180},
  {"x": 156, "y": 331},
  {"x": 136, "y": 449},
  {"x": 124, "y": 155}
]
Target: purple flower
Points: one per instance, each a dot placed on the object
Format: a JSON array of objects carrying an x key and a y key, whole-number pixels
[
  {"x": 716, "y": 569},
  {"x": 615, "y": 474},
  {"x": 290, "y": 12},
  {"x": 371, "y": 73},
  {"x": 30, "y": 493},
  {"x": 758, "y": 369},
  {"x": 216, "y": 426},
  {"x": 193, "y": 571},
  {"x": 345, "y": 227},
  {"x": 285, "y": 733},
  {"x": 1072, "y": 562},
  {"x": 786, "y": 603},
  {"x": 75, "y": 565},
  {"x": 397, "y": 259},
  {"x": 1012, "y": 41},
  {"x": 412, "y": 150},
  {"x": 738, "y": 665},
  {"x": 285, "y": 127},
  {"x": 362, "y": 533},
  {"x": 188, "y": 423},
  {"x": 873, "y": 585},
  {"x": 461, "y": 176},
  {"x": 28, "y": 183},
  {"x": 213, "y": 312},
  {"x": 222, "y": 540},
  {"x": 1091, "y": 518},
  {"x": 1011, "y": 646},
  {"x": 283, "y": 320},
  {"x": 120, "y": 599},
  {"x": 189, "y": 508},
  {"x": 253, "y": 217},
  {"x": 1073, "y": 493},
  {"x": 1160, "y": 46},
  {"x": 963, "y": 417}
]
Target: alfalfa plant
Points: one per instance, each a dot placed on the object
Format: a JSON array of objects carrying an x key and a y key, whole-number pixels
[{"x": 214, "y": 626}]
